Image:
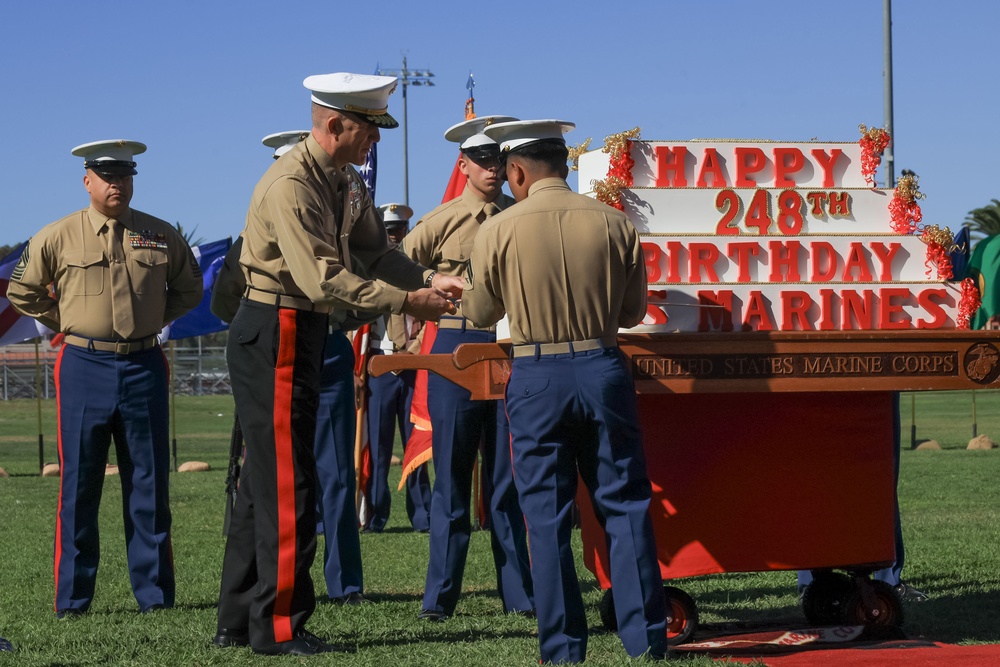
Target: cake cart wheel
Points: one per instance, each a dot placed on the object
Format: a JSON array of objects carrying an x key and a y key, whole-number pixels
[
  {"x": 682, "y": 615},
  {"x": 825, "y": 597},
  {"x": 875, "y": 605}
]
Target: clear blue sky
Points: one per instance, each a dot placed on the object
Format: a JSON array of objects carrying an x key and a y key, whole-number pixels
[{"x": 202, "y": 82}]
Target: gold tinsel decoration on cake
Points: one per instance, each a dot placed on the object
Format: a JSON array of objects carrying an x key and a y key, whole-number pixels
[
  {"x": 908, "y": 189},
  {"x": 619, "y": 168},
  {"x": 942, "y": 236},
  {"x": 615, "y": 144},
  {"x": 575, "y": 152},
  {"x": 607, "y": 191}
]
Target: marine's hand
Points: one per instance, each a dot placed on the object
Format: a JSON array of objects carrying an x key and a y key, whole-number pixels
[
  {"x": 452, "y": 286},
  {"x": 428, "y": 304}
]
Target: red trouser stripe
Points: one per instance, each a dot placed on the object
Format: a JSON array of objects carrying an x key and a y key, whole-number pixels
[
  {"x": 59, "y": 445},
  {"x": 284, "y": 374}
]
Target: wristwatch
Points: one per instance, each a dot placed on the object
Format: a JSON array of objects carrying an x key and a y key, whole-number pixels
[{"x": 430, "y": 279}]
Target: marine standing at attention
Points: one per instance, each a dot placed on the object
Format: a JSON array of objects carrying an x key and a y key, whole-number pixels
[
  {"x": 569, "y": 272},
  {"x": 389, "y": 404},
  {"x": 117, "y": 277},
  {"x": 443, "y": 241},
  {"x": 310, "y": 220}
]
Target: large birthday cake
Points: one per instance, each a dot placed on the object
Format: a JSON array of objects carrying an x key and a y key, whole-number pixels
[{"x": 750, "y": 235}]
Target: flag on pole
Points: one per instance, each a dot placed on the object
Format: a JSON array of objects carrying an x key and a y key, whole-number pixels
[
  {"x": 959, "y": 255},
  {"x": 200, "y": 320},
  {"x": 362, "y": 354},
  {"x": 14, "y": 327}
]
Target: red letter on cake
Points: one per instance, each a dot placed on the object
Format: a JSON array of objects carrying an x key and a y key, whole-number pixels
[
  {"x": 748, "y": 161},
  {"x": 670, "y": 161},
  {"x": 795, "y": 305},
  {"x": 928, "y": 301},
  {"x": 856, "y": 260},
  {"x": 652, "y": 254},
  {"x": 784, "y": 259},
  {"x": 654, "y": 313},
  {"x": 857, "y": 308},
  {"x": 718, "y": 310},
  {"x": 786, "y": 161},
  {"x": 888, "y": 298},
  {"x": 816, "y": 203},
  {"x": 885, "y": 254},
  {"x": 823, "y": 259},
  {"x": 757, "y": 308},
  {"x": 673, "y": 262},
  {"x": 840, "y": 204},
  {"x": 741, "y": 252},
  {"x": 710, "y": 167},
  {"x": 826, "y": 310},
  {"x": 702, "y": 256},
  {"x": 826, "y": 163}
]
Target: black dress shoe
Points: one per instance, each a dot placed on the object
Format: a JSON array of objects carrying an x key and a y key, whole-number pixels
[
  {"x": 433, "y": 616},
  {"x": 65, "y": 614},
  {"x": 226, "y": 638},
  {"x": 525, "y": 613},
  {"x": 303, "y": 643},
  {"x": 908, "y": 593},
  {"x": 153, "y": 607},
  {"x": 351, "y": 599}
]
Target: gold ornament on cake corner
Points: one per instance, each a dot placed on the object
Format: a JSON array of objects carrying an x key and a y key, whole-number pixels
[
  {"x": 873, "y": 142},
  {"x": 940, "y": 244},
  {"x": 619, "y": 147},
  {"x": 616, "y": 144},
  {"x": 575, "y": 152}
]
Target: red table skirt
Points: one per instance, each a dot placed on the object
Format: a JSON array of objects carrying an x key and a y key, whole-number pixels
[{"x": 752, "y": 482}]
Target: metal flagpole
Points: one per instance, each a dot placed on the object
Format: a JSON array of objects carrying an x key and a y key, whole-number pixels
[
  {"x": 38, "y": 400},
  {"x": 890, "y": 176}
]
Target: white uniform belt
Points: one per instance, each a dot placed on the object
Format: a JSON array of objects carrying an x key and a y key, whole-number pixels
[
  {"x": 116, "y": 346},
  {"x": 460, "y": 323},
  {"x": 285, "y": 301},
  {"x": 540, "y": 349}
]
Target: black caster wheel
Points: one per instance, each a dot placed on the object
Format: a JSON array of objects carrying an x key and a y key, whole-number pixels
[
  {"x": 881, "y": 613},
  {"x": 682, "y": 614},
  {"x": 824, "y": 599}
]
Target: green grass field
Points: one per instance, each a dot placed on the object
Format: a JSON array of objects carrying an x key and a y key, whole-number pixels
[{"x": 951, "y": 519}]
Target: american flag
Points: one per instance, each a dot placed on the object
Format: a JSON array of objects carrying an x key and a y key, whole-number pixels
[
  {"x": 14, "y": 327},
  {"x": 368, "y": 170}
]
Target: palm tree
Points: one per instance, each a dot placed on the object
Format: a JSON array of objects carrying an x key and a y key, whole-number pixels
[
  {"x": 189, "y": 236},
  {"x": 984, "y": 221}
]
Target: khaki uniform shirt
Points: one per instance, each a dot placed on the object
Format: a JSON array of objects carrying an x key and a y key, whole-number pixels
[
  {"x": 443, "y": 238},
  {"x": 160, "y": 283},
  {"x": 308, "y": 223},
  {"x": 565, "y": 267}
]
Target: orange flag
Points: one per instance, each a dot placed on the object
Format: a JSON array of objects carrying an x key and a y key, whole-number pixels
[
  {"x": 418, "y": 447},
  {"x": 363, "y": 450}
]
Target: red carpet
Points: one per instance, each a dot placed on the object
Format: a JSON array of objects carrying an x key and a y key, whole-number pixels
[{"x": 840, "y": 647}]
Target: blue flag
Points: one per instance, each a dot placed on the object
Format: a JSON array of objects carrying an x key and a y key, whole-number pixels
[
  {"x": 960, "y": 255},
  {"x": 200, "y": 320}
]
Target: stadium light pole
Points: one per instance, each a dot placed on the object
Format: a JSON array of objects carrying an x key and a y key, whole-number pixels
[
  {"x": 890, "y": 162},
  {"x": 408, "y": 77}
]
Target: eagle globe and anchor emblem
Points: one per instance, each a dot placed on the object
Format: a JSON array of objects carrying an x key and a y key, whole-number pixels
[{"x": 982, "y": 363}]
